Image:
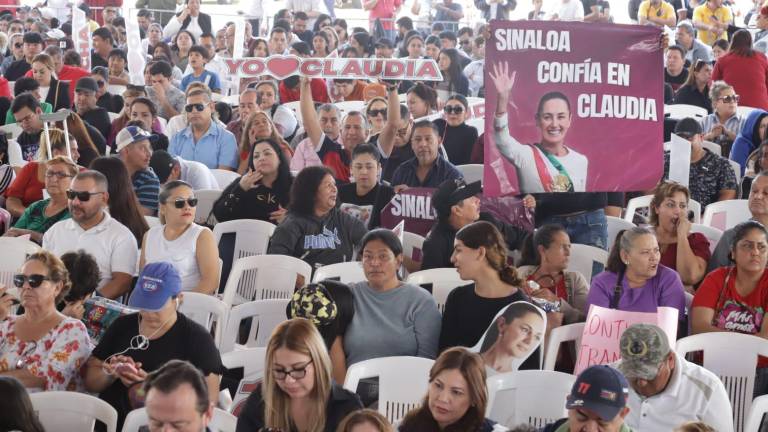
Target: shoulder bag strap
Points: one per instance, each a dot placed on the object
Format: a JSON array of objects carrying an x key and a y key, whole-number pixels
[{"x": 617, "y": 290}]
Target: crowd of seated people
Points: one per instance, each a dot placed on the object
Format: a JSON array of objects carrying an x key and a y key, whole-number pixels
[{"x": 112, "y": 195}]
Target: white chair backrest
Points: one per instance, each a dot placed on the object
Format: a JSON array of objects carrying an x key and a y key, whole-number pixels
[
  {"x": 221, "y": 421},
  {"x": 443, "y": 281},
  {"x": 413, "y": 245},
  {"x": 13, "y": 252},
  {"x": 15, "y": 157},
  {"x": 251, "y": 236},
  {"x": 737, "y": 372},
  {"x": 557, "y": 337},
  {"x": 403, "y": 382},
  {"x": 614, "y": 226},
  {"x": 72, "y": 411},
  {"x": 14, "y": 129},
  {"x": 533, "y": 397},
  {"x": 712, "y": 234},
  {"x": 152, "y": 221},
  {"x": 471, "y": 172},
  {"x": 252, "y": 361},
  {"x": 206, "y": 310},
  {"x": 681, "y": 111},
  {"x": 583, "y": 259},
  {"x": 345, "y": 272},
  {"x": 743, "y": 111},
  {"x": 264, "y": 277},
  {"x": 116, "y": 89},
  {"x": 265, "y": 316},
  {"x": 205, "y": 200},
  {"x": 477, "y": 123},
  {"x": 736, "y": 170},
  {"x": 724, "y": 215},
  {"x": 645, "y": 201},
  {"x": 294, "y": 106},
  {"x": 224, "y": 177},
  {"x": 756, "y": 411},
  {"x": 113, "y": 116},
  {"x": 713, "y": 147}
]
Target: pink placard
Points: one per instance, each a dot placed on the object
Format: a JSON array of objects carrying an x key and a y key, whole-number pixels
[{"x": 604, "y": 327}]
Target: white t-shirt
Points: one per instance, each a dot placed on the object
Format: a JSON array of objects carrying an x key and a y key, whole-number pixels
[
  {"x": 197, "y": 175},
  {"x": 522, "y": 156},
  {"x": 181, "y": 252},
  {"x": 111, "y": 243},
  {"x": 573, "y": 10}
]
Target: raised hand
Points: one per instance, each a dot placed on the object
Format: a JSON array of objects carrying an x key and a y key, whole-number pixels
[{"x": 502, "y": 80}]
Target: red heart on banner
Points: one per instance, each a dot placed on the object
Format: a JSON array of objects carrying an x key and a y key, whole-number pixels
[{"x": 282, "y": 67}]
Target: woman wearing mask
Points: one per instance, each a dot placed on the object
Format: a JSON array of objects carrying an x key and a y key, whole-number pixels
[
  {"x": 459, "y": 138},
  {"x": 297, "y": 393},
  {"x": 51, "y": 89},
  {"x": 268, "y": 175}
]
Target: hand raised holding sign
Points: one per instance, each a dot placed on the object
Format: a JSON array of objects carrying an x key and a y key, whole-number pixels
[{"x": 504, "y": 82}]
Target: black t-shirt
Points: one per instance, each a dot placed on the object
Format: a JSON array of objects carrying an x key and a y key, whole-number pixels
[
  {"x": 397, "y": 157},
  {"x": 99, "y": 119},
  {"x": 110, "y": 102},
  {"x": 17, "y": 70},
  {"x": 675, "y": 81},
  {"x": 30, "y": 144},
  {"x": 97, "y": 60},
  {"x": 589, "y": 3},
  {"x": 458, "y": 141},
  {"x": 256, "y": 203},
  {"x": 186, "y": 340},
  {"x": 374, "y": 200},
  {"x": 467, "y": 317}
]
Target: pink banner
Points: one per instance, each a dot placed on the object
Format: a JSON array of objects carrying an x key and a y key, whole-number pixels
[
  {"x": 584, "y": 105},
  {"x": 604, "y": 327}
]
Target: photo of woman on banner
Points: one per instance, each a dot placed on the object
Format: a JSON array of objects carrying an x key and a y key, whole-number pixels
[
  {"x": 547, "y": 166},
  {"x": 513, "y": 335}
]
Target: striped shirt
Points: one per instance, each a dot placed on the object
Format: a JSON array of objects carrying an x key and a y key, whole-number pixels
[
  {"x": 147, "y": 188},
  {"x": 733, "y": 124}
]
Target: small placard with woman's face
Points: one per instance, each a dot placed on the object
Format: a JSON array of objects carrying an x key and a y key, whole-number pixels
[{"x": 515, "y": 333}]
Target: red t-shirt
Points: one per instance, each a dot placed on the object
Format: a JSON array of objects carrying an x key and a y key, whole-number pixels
[
  {"x": 734, "y": 312},
  {"x": 26, "y": 186},
  {"x": 747, "y": 75},
  {"x": 5, "y": 89},
  {"x": 699, "y": 245},
  {"x": 319, "y": 92}
]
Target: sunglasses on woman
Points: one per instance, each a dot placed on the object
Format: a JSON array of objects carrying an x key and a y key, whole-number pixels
[
  {"x": 179, "y": 202},
  {"x": 453, "y": 109},
  {"x": 83, "y": 196},
  {"x": 376, "y": 112},
  {"x": 35, "y": 280}
]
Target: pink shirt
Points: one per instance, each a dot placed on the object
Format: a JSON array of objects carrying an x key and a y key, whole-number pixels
[{"x": 385, "y": 9}]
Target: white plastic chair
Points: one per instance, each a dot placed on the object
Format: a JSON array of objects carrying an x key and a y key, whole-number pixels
[
  {"x": 736, "y": 170},
  {"x": 681, "y": 111},
  {"x": 264, "y": 277},
  {"x": 72, "y": 411},
  {"x": 13, "y": 252},
  {"x": 443, "y": 281},
  {"x": 477, "y": 123},
  {"x": 221, "y": 421},
  {"x": 152, "y": 221},
  {"x": 251, "y": 236},
  {"x": 403, "y": 382},
  {"x": 724, "y": 215},
  {"x": 583, "y": 258},
  {"x": 471, "y": 172},
  {"x": 645, "y": 201},
  {"x": 206, "y": 310},
  {"x": 15, "y": 157},
  {"x": 252, "y": 361},
  {"x": 743, "y": 111},
  {"x": 534, "y": 397},
  {"x": 733, "y": 358},
  {"x": 614, "y": 226},
  {"x": 113, "y": 116},
  {"x": 265, "y": 316},
  {"x": 557, "y": 337},
  {"x": 756, "y": 411},
  {"x": 224, "y": 177},
  {"x": 413, "y": 245},
  {"x": 14, "y": 129},
  {"x": 712, "y": 234},
  {"x": 294, "y": 106},
  {"x": 713, "y": 147},
  {"x": 205, "y": 200},
  {"x": 345, "y": 272}
]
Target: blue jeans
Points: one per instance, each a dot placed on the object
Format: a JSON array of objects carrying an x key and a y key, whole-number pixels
[{"x": 590, "y": 228}]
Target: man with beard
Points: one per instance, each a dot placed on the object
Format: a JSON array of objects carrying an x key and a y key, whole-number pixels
[{"x": 94, "y": 231}]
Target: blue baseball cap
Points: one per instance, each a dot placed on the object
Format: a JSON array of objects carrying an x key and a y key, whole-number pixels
[
  {"x": 600, "y": 389},
  {"x": 130, "y": 135},
  {"x": 158, "y": 282}
]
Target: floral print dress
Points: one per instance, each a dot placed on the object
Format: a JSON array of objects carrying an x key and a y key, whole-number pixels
[{"x": 57, "y": 357}]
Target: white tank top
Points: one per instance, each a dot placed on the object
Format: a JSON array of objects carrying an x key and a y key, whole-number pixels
[{"x": 179, "y": 252}]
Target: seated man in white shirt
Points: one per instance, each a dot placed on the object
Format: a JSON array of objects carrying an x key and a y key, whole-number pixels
[
  {"x": 94, "y": 231},
  {"x": 665, "y": 389},
  {"x": 169, "y": 168}
]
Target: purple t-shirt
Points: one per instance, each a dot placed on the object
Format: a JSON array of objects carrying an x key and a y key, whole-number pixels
[{"x": 664, "y": 289}]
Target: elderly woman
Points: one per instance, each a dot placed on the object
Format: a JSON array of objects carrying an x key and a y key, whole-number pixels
[
  {"x": 142, "y": 342},
  {"x": 268, "y": 174},
  {"x": 28, "y": 186},
  {"x": 154, "y": 37},
  {"x": 259, "y": 126},
  {"x": 41, "y": 215},
  {"x": 722, "y": 126},
  {"x": 458, "y": 137},
  {"x": 315, "y": 230},
  {"x": 681, "y": 250},
  {"x": 190, "y": 247},
  {"x": 634, "y": 280},
  {"x": 42, "y": 348},
  {"x": 51, "y": 90}
]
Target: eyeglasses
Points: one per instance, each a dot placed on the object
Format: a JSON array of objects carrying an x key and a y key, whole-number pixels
[
  {"x": 196, "y": 107},
  {"x": 377, "y": 112},
  {"x": 296, "y": 373},
  {"x": 100, "y": 83},
  {"x": 453, "y": 109},
  {"x": 179, "y": 202},
  {"x": 749, "y": 246},
  {"x": 729, "y": 99},
  {"x": 35, "y": 280},
  {"x": 57, "y": 175},
  {"x": 464, "y": 42},
  {"x": 83, "y": 196},
  {"x": 18, "y": 45}
]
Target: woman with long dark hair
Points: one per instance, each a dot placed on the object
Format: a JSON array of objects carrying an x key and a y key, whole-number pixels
[
  {"x": 695, "y": 91},
  {"x": 459, "y": 138},
  {"x": 454, "y": 81},
  {"x": 746, "y": 70},
  {"x": 421, "y": 100},
  {"x": 259, "y": 126},
  {"x": 268, "y": 175},
  {"x": 340, "y": 26},
  {"x": 182, "y": 42},
  {"x": 362, "y": 43},
  {"x": 123, "y": 202},
  {"x": 17, "y": 409}
]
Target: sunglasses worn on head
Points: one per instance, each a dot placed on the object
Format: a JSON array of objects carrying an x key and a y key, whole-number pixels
[
  {"x": 458, "y": 109},
  {"x": 196, "y": 107},
  {"x": 179, "y": 202},
  {"x": 376, "y": 112},
  {"x": 35, "y": 280},
  {"x": 81, "y": 195}
]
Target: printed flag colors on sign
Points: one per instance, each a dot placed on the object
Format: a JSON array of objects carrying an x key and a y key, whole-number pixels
[{"x": 568, "y": 114}]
